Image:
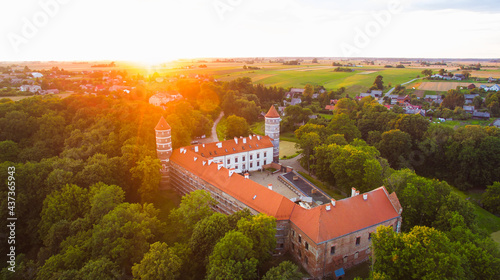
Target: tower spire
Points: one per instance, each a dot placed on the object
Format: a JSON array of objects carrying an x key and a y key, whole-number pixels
[
  {"x": 272, "y": 130},
  {"x": 164, "y": 149}
]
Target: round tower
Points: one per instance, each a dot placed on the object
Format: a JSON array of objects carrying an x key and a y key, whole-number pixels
[
  {"x": 163, "y": 149},
  {"x": 273, "y": 131}
]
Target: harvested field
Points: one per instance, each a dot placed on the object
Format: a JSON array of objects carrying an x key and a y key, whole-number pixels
[
  {"x": 445, "y": 86},
  {"x": 367, "y": 72}
]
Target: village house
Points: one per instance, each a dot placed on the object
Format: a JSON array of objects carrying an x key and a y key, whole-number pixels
[
  {"x": 469, "y": 109},
  {"x": 30, "y": 88},
  {"x": 164, "y": 97},
  {"x": 469, "y": 98},
  {"x": 325, "y": 239}
]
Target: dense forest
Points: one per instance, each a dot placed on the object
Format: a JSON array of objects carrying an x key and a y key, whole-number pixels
[{"x": 86, "y": 175}]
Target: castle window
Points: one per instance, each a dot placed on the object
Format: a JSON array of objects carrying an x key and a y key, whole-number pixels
[
  {"x": 258, "y": 163},
  {"x": 300, "y": 239},
  {"x": 226, "y": 150},
  {"x": 228, "y": 161},
  {"x": 300, "y": 254},
  {"x": 236, "y": 159},
  {"x": 332, "y": 250},
  {"x": 358, "y": 240},
  {"x": 234, "y": 149},
  {"x": 265, "y": 162},
  {"x": 243, "y": 159},
  {"x": 265, "y": 154},
  {"x": 307, "y": 246},
  {"x": 251, "y": 164},
  {"x": 293, "y": 232},
  {"x": 258, "y": 155},
  {"x": 243, "y": 167},
  {"x": 251, "y": 157},
  {"x": 370, "y": 236}
]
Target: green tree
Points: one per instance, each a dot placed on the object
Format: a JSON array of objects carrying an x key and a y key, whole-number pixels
[
  {"x": 148, "y": 172},
  {"x": 261, "y": 229},
  {"x": 308, "y": 92},
  {"x": 427, "y": 72},
  {"x": 206, "y": 234},
  {"x": 236, "y": 127},
  {"x": 378, "y": 84},
  {"x": 415, "y": 125},
  {"x": 159, "y": 263},
  {"x": 342, "y": 124},
  {"x": 453, "y": 99},
  {"x": 491, "y": 198},
  {"x": 395, "y": 146},
  {"x": 232, "y": 258},
  {"x": 124, "y": 234},
  {"x": 194, "y": 207},
  {"x": 286, "y": 270},
  {"x": 423, "y": 253},
  {"x": 102, "y": 268},
  {"x": 9, "y": 151}
]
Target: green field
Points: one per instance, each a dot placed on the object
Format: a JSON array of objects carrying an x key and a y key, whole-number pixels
[
  {"x": 299, "y": 76},
  {"x": 457, "y": 124}
]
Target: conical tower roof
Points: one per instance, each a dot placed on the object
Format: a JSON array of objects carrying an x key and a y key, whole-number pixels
[
  {"x": 272, "y": 113},
  {"x": 162, "y": 124}
]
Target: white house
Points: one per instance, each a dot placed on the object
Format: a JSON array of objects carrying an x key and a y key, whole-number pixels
[
  {"x": 162, "y": 98},
  {"x": 30, "y": 88}
]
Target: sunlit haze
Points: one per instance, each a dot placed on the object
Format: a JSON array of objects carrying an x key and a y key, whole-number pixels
[{"x": 152, "y": 31}]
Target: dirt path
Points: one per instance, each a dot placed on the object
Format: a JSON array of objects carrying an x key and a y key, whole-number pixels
[{"x": 214, "y": 137}]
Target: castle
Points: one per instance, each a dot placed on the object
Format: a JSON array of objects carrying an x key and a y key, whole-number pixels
[{"x": 325, "y": 239}]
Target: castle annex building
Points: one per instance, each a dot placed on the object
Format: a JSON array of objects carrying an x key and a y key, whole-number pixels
[{"x": 324, "y": 239}]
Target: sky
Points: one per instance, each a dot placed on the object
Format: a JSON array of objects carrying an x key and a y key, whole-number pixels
[{"x": 154, "y": 31}]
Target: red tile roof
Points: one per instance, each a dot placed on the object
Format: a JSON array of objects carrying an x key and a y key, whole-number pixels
[
  {"x": 162, "y": 124},
  {"x": 272, "y": 113},
  {"x": 229, "y": 147},
  {"x": 247, "y": 191},
  {"x": 348, "y": 215}
]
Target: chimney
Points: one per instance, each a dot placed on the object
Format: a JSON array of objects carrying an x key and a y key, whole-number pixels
[
  {"x": 182, "y": 150},
  {"x": 247, "y": 176},
  {"x": 219, "y": 145},
  {"x": 236, "y": 140},
  {"x": 334, "y": 202},
  {"x": 357, "y": 192},
  {"x": 210, "y": 160},
  {"x": 195, "y": 149},
  {"x": 219, "y": 165},
  {"x": 195, "y": 158},
  {"x": 258, "y": 137},
  {"x": 365, "y": 196},
  {"x": 270, "y": 186},
  {"x": 254, "y": 197},
  {"x": 250, "y": 136},
  {"x": 328, "y": 207},
  {"x": 204, "y": 162},
  {"x": 203, "y": 145},
  {"x": 244, "y": 140},
  {"x": 353, "y": 192},
  {"x": 231, "y": 172}
]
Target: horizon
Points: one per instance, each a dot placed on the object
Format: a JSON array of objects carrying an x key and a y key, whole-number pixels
[{"x": 155, "y": 31}]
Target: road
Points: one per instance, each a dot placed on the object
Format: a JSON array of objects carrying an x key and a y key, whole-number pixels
[
  {"x": 214, "y": 137},
  {"x": 392, "y": 89}
]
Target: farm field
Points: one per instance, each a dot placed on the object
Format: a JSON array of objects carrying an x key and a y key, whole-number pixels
[
  {"x": 445, "y": 86},
  {"x": 359, "y": 80},
  {"x": 17, "y": 98}
]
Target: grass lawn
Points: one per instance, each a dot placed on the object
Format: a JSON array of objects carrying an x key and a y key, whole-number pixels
[
  {"x": 496, "y": 236},
  {"x": 258, "y": 128},
  {"x": 288, "y": 149},
  {"x": 326, "y": 116},
  {"x": 322, "y": 186},
  {"x": 288, "y": 136},
  {"x": 457, "y": 124},
  {"x": 221, "y": 129},
  {"x": 485, "y": 219}
]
